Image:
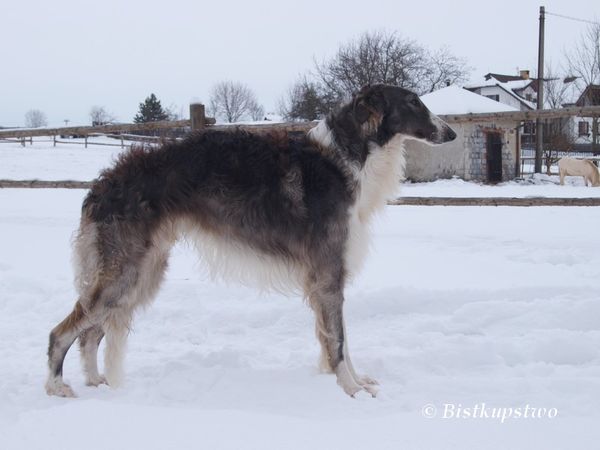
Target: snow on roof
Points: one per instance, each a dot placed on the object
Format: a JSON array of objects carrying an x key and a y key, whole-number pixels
[
  {"x": 456, "y": 100},
  {"x": 514, "y": 84},
  {"x": 509, "y": 87}
]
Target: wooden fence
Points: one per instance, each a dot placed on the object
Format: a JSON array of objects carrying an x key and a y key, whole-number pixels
[
  {"x": 401, "y": 201},
  {"x": 199, "y": 121},
  {"x": 495, "y": 201}
]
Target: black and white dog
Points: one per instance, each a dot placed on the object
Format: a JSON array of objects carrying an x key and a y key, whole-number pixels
[{"x": 292, "y": 213}]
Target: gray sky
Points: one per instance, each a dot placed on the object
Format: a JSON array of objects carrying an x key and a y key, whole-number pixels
[{"x": 63, "y": 56}]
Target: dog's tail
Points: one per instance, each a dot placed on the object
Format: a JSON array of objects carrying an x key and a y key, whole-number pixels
[{"x": 116, "y": 329}]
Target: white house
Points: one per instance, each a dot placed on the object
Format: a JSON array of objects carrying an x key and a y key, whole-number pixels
[
  {"x": 520, "y": 91},
  {"x": 483, "y": 151},
  {"x": 586, "y": 129}
]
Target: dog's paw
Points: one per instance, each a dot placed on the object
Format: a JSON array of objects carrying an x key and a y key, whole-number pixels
[
  {"x": 351, "y": 385},
  {"x": 369, "y": 386},
  {"x": 365, "y": 379},
  {"x": 59, "y": 388},
  {"x": 96, "y": 381}
]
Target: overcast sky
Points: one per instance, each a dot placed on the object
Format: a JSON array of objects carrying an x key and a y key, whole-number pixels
[{"x": 63, "y": 56}]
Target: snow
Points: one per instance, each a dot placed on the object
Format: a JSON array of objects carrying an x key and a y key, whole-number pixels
[
  {"x": 456, "y": 100},
  {"x": 457, "y": 305},
  {"x": 514, "y": 84},
  {"x": 536, "y": 186},
  {"x": 43, "y": 161}
]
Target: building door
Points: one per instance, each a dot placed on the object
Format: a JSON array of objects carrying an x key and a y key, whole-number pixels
[{"x": 494, "y": 157}]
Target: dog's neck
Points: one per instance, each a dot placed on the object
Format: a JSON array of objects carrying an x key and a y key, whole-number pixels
[
  {"x": 380, "y": 176},
  {"x": 375, "y": 178}
]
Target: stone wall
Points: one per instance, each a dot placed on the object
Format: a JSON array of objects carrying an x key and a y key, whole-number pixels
[{"x": 465, "y": 157}]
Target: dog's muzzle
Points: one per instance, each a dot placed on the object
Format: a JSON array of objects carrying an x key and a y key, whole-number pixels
[
  {"x": 442, "y": 135},
  {"x": 449, "y": 134}
]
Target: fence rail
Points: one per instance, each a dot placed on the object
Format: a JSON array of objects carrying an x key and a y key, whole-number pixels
[
  {"x": 44, "y": 184},
  {"x": 402, "y": 201},
  {"x": 102, "y": 129},
  {"x": 528, "y": 158},
  {"x": 495, "y": 201},
  {"x": 200, "y": 121}
]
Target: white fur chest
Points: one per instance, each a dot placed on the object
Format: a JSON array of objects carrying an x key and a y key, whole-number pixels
[{"x": 378, "y": 181}]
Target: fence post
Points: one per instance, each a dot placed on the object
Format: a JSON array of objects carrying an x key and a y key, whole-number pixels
[
  {"x": 86, "y": 140},
  {"x": 54, "y": 140},
  {"x": 197, "y": 116}
]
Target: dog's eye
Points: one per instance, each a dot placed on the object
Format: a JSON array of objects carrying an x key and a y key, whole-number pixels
[{"x": 414, "y": 102}]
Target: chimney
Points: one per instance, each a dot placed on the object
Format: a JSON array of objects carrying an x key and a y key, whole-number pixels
[{"x": 524, "y": 74}]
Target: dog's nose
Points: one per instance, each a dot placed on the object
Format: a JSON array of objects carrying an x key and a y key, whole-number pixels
[{"x": 450, "y": 135}]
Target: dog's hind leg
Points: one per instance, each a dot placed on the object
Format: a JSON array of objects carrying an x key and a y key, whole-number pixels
[
  {"x": 116, "y": 328},
  {"x": 61, "y": 339},
  {"x": 149, "y": 274},
  {"x": 89, "y": 340}
]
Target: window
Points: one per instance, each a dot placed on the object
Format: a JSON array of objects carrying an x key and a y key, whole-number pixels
[
  {"x": 494, "y": 97},
  {"x": 529, "y": 128},
  {"x": 584, "y": 128}
]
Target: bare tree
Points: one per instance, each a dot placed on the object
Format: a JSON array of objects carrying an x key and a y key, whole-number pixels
[
  {"x": 304, "y": 100},
  {"x": 232, "y": 101},
  {"x": 556, "y": 89},
  {"x": 100, "y": 116},
  {"x": 174, "y": 112},
  {"x": 34, "y": 118},
  {"x": 374, "y": 57},
  {"x": 559, "y": 135},
  {"x": 384, "y": 57},
  {"x": 443, "y": 68},
  {"x": 583, "y": 60},
  {"x": 256, "y": 111}
]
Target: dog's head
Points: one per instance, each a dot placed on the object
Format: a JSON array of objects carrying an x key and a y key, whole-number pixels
[{"x": 384, "y": 112}]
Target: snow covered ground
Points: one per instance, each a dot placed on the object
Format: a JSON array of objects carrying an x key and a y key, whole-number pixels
[
  {"x": 457, "y": 306},
  {"x": 43, "y": 161},
  {"x": 461, "y": 306},
  {"x": 74, "y": 162}
]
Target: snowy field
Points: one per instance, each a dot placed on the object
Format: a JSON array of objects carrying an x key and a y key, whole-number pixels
[
  {"x": 42, "y": 161},
  {"x": 457, "y": 307}
]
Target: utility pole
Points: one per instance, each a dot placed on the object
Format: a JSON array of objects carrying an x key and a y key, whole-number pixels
[{"x": 539, "y": 128}]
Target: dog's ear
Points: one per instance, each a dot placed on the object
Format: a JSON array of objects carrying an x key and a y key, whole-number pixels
[{"x": 368, "y": 102}]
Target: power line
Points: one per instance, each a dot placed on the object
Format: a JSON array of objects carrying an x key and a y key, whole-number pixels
[{"x": 573, "y": 18}]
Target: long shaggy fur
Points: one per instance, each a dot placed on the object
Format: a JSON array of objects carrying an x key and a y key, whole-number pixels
[{"x": 290, "y": 214}]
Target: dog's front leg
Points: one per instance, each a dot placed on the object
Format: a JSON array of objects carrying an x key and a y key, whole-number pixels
[{"x": 327, "y": 301}]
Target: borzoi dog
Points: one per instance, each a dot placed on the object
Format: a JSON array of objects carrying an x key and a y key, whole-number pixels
[{"x": 296, "y": 209}]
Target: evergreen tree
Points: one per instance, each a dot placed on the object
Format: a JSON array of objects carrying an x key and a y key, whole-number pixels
[{"x": 151, "y": 111}]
